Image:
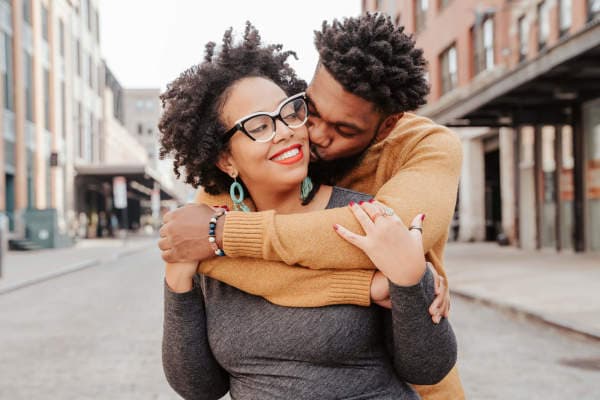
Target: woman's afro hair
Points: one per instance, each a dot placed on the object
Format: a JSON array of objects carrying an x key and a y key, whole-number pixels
[
  {"x": 375, "y": 60},
  {"x": 191, "y": 127}
]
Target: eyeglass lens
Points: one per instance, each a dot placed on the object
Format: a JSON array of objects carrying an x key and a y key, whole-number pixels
[{"x": 293, "y": 114}]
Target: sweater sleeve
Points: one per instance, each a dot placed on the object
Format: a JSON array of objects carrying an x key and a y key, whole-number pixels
[
  {"x": 286, "y": 285},
  {"x": 425, "y": 180},
  {"x": 423, "y": 352},
  {"x": 188, "y": 362}
]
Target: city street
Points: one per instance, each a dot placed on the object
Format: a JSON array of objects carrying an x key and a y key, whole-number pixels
[{"x": 95, "y": 334}]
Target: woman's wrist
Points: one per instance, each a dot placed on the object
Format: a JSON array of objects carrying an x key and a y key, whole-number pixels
[
  {"x": 409, "y": 278},
  {"x": 179, "y": 278}
]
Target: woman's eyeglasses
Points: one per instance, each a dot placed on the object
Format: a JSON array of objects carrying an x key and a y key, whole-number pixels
[{"x": 261, "y": 126}]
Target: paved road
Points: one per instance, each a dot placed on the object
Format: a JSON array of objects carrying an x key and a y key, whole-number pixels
[
  {"x": 95, "y": 334},
  {"x": 502, "y": 356}
]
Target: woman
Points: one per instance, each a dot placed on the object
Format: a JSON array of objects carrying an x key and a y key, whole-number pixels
[{"x": 219, "y": 339}]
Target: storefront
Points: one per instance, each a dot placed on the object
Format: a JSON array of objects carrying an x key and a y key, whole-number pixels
[
  {"x": 99, "y": 215},
  {"x": 551, "y": 107}
]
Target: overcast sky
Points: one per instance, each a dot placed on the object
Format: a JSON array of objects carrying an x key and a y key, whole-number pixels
[{"x": 147, "y": 43}]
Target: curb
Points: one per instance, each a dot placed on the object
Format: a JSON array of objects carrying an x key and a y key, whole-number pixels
[
  {"x": 71, "y": 268},
  {"x": 529, "y": 314}
]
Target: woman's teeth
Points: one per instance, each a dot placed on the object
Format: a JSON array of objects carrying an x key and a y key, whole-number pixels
[{"x": 288, "y": 154}]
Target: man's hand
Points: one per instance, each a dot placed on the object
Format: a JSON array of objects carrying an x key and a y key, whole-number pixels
[
  {"x": 380, "y": 294},
  {"x": 380, "y": 290},
  {"x": 184, "y": 235},
  {"x": 441, "y": 304}
]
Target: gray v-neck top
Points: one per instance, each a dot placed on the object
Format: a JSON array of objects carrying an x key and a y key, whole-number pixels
[{"x": 217, "y": 338}]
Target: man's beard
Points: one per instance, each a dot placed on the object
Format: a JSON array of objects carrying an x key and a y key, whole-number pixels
[{"x": 331, "y": 171}]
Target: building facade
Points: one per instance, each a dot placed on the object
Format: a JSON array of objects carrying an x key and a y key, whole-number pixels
[
  {"x": 519, "y": 81},
  {"x": 56, "y": 130}
]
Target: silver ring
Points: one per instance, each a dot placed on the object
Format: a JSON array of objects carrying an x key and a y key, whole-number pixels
[{"x": 410, "y": 228}]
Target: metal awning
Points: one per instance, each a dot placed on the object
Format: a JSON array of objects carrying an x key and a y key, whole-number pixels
[
  {"x": 141, "y": 174},
  {"x": 540, "y": 91}
]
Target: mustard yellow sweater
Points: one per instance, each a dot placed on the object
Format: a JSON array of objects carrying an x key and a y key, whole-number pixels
[{"x": 415, "y": 169}]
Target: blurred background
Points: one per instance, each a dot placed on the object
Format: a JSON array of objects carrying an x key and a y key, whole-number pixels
[{"x": 82, "y": 189}]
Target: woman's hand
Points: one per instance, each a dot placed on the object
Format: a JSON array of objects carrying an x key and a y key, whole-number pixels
[{"x": 396, "y": 251}]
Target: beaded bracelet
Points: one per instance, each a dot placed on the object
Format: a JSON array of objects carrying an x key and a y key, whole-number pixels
[{"x": 212, "y": 227}]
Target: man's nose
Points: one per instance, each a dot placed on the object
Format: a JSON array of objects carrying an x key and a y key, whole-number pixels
[{"x": 317, "y": 131}]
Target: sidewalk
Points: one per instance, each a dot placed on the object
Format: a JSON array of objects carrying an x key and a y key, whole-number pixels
[
  {"x": 24, "y": 268},
  {"x": 562, "y": 289}
]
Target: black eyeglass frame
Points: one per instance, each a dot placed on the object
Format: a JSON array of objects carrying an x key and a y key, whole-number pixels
[{"x": 275, "y": 115}]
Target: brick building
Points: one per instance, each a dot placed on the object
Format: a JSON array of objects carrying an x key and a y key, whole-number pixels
[{"x": 519, "y": 80}]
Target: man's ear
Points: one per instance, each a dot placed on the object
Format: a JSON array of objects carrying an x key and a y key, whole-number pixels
[
  {"x": 226, "y": 164},
  {"x": 388, "y": 125}
]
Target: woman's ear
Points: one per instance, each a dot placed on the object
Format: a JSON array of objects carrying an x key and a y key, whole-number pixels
[{"x": 226, "y": 164}]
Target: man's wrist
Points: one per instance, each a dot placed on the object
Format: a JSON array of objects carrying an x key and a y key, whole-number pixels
[{"x": 219, "y": 231}]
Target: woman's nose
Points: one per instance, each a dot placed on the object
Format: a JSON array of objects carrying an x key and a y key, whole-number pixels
[{"x": 282, "y": 131}]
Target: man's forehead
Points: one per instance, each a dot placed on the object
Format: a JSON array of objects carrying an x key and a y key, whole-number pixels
[{"x": 339, "y": 107}]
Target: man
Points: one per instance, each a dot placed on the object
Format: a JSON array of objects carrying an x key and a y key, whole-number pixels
[{"x": 363, "y": 138}]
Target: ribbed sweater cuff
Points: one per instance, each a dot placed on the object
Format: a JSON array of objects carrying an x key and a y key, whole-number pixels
[
  {"x": 243, "y": 234},
  {"x": 351, "y": 287}
]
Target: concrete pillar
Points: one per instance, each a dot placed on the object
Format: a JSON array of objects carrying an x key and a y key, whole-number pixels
[
  {"x": 507, "y": 181},
  {"x": 39, "y": 165},
  {"x": 2, "y": 175},
  {"x": 472, "y": 192},
  {"x": 20, "y": 146}
]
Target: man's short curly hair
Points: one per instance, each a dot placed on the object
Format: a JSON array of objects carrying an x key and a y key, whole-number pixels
[
  {"x": 191, "y": 127},
  {"x": 375, "y": 60}
]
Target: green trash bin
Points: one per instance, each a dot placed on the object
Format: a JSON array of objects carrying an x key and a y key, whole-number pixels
[{"x": 42, "y": 228}]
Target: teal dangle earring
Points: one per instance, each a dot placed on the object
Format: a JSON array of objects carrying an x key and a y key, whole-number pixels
[
  {"x": 305, "y": 188},
  {"x": 236, "y": 192}
]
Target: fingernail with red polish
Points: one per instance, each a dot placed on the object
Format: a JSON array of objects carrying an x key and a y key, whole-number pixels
[
  {"x": 360, "y": 203},
  {"x": 423, "y": 217},
  {"x": 335, "y": 227},
  {"x": 351, "y": 203},
  {"x": 372, "y": 201}
]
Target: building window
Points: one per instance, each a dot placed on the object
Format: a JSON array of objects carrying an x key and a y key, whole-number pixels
[
  {"x": 61, "y": 37},
  {"x": 140, "y": 129},
  {"x": 564, "y": 16},
  {"x": 6, "y": 70},
  {"x": 139, "y": 105},
  {"x": 443, "y": 4},
  {"x": 593, "y": 9},
  {"x": 46, "y": 99},
  {"x": 27, "y": 11},
  {"x": 483, "y": 46},
  {"x": 78, "y": 57},
  {"x": 97, "y": 19},
  {"x": 523, "y": 38},
  {"x": 45, "y": 23},
  {"x": 543, "y": 25},
  {"x": 90, "y": 71},
  {"x": 28, "y": 65},
  {"x": 420, "y": 14},
  {"x": 90, "y": 13},
  {"x": 63, "y": 108},
  {"x": 150, "y": 132},
  {"x": 449, "y": 69},
  {"x": 100, "y": 83},
  {"x": 80, "y": 122},
  {"x": 91, "y": 155}
]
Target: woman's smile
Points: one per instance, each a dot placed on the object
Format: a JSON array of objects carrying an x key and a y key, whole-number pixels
[{"x": 289, "y": 155}]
